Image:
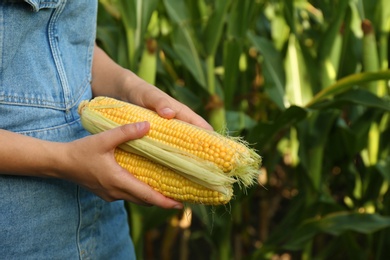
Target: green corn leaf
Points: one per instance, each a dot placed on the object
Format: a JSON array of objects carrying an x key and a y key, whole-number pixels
[
  {"x": 213, "y": 30},
  {"x": 329, "y": 38},
  {"x": 336, "y": 224},
  {"x": 263, "y": 133},
  {"x": 355, "y": 97},
  {"x": 237, "y": 121},
  {"x": 383, "y": 167},
  {"x": 238, "y": 23},
  {"x": 312, "y": 144},
  {"x": 347, "y": 83},
  {"x": 273, "y": 65},
  {"x": 183, "y": 40},
  {"x": 231, "y": 56}
]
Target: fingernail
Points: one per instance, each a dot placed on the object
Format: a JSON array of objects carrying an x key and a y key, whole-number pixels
[
  {"x": 167, "y": 111},
  {"x": 178, "y": 206},
  {"x": 140, "y": 125}
]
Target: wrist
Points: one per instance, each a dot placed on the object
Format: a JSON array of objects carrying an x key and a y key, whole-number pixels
[
  {"x": 53, "y": 160},
  {"x": 132, "y": 88},
  {"x": 28, "y": 156}
]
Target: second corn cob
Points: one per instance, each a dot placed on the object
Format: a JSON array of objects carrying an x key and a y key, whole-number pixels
[{"x": 168, "y": 182}]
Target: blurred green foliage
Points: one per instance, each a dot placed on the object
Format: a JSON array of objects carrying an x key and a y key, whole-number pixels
[{"x": 307, "y": 84}]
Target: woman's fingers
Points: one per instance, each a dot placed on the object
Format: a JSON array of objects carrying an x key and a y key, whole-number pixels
[
  {"x": 129, "y": 188},
  {"x": 168, "y": 107},
  {"x": 143, "y": 194},
  {"x": 112, "y": 138},
  {"x": 183, "y": 113}
]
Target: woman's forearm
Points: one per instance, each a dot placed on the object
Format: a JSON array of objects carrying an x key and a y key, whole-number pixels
[
  {"x": 109, "y": 79},
  {"x": 23, "y": 155}
]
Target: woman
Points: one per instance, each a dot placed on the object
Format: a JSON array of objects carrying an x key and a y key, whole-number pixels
[{"x": 61, "y": 189}]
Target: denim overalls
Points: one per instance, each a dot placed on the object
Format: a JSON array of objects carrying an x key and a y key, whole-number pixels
[{"x": 45, "y": 71}]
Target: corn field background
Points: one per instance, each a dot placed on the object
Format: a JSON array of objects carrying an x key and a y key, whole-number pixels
[{"x": 306, "y": 83}]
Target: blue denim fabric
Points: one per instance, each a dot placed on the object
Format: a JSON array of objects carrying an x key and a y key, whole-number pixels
[{"x": 45, "y": 63}]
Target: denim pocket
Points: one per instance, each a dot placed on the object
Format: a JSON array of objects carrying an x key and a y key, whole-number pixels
[{"x": 41, "y": 4}]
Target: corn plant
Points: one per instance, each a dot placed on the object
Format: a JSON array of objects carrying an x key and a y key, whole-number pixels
[{"x": 306, "y": 83}]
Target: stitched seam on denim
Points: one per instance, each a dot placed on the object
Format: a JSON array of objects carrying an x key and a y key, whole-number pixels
[
  {"x": 6, "y": 99},
  {"x": 28, "y": 132},
  {"x": 31, "y": 105},
  {"x": 52, "y": 34},
  {"x": 81, "y": 90},
  {"x": 39, "y": 102},
  {"x": 79, "y": 223}
]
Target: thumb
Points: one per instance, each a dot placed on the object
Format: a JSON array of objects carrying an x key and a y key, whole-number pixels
[{"x": 119, "y": 135}]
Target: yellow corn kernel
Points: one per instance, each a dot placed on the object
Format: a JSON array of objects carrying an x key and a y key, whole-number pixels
[{"x": 168, "y": 182}]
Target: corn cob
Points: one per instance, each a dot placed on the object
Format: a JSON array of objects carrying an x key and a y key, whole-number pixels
[
  {"x": 203, "y": 157},
  {"x": 168, "y": 182}
]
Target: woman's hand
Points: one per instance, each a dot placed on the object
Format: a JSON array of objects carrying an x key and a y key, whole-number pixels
[
  {"x": 110, "y": 79},
  {"x": 90, "y": 162},
  {"x": 153, "y": 98}
]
